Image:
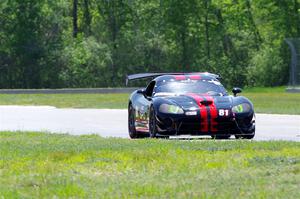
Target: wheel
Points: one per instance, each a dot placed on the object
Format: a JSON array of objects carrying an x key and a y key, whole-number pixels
[
  {"x": 249, "y": 135},
  {"x": 131, "y": 123},
  {"x": 152, "y": 123},
  {"x": 220, "y": 137}
]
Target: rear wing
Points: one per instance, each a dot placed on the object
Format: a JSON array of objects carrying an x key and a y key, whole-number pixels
[{"x": 153, "y": 75}]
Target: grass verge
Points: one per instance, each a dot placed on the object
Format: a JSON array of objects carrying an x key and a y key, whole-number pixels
[
  {"x": 266, "y": 100},
  {"x": 35, "y": 165},
  {"x": 274, "y": 100},
  {"x": 113, "y": 101}
]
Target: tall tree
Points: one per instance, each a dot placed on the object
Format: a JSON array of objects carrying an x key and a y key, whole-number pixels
[
  {"x": 206, "y": 22},
  {"x": 228, "y": 45},
  {"x": 297, "y": 16},
  {"x": 258, "y": 39},
  {"x": 38, "y": 49},
  {"x": 87, "y": 17},
  {"x": 75, "y": 18}
]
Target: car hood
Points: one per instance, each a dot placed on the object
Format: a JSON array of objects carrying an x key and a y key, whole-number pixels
[{"x": 193, "y": 101}]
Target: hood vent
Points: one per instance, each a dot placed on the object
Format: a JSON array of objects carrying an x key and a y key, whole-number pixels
[{"x": 206, "y": 102}]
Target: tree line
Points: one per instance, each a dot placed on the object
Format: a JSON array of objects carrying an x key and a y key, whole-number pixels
[{"x": 96, "y": 43}]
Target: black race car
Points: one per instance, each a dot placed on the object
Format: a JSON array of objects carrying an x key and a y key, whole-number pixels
[{"x": 188, "y": 104}]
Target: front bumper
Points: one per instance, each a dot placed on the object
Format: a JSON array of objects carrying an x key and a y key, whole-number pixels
[{"x": 191, "y": 125}]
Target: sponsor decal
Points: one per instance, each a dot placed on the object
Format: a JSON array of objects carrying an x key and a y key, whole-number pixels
[
  {"x": 190, "y": 113},
  {"x": 223, "y": 112},
  {"x": 142, "y": 129}
]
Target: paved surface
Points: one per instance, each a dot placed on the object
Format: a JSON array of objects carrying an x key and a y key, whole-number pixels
[
  {"x": 113, "y": 123},
  {"x": 68, "y": 90}
]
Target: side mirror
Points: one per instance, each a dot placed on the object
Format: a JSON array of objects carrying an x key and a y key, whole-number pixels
[
  {"x": 141, "y": 91},
  {"x": 236, "y": 90}
]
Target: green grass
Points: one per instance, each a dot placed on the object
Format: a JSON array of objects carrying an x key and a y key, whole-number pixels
[
  {"x": 114, "y": 101},
  {"x": 40, "y": 165},
  {"x": 274, "y": 100},
  {"x": 266, "y": 100}
]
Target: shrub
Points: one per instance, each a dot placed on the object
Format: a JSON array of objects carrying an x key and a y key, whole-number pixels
[
  {"x": 267, "y": 68},
  {"x": 86, "y": 63}
]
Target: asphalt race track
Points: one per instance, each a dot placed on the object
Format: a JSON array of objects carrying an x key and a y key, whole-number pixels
[{"x": 113, "y": 123}]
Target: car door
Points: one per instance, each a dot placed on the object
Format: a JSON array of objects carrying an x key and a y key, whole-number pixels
[{"x": 142, "y": 105}]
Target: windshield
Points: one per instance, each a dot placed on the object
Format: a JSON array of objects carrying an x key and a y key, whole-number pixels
[{"x": 210, "y": 87}]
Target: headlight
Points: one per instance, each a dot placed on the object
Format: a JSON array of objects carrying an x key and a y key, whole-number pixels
[
  {"x": 241, "y": 108},
  {"x": 168, "y": 108}
]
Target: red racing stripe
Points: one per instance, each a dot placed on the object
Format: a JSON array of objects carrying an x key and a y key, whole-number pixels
[
  {"x": 204, "y": 116},
  {"x": 213, "y": 114},
  {"x": 180, "y": 77},
  {"x": 195, "y": 77},
  {"x": 203, "y": 112}
]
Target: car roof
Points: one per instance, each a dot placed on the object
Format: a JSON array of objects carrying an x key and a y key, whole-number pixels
[{"x": 193, "y": 76}]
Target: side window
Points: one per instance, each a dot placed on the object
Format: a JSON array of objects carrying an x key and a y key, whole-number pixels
[{"x": 150, "y": 88}]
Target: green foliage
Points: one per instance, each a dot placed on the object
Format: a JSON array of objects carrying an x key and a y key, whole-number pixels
[
  {"x": 85, "y": 63},
  {"x": 38, "y": 47},
  {"x": 267, "y": 68}
]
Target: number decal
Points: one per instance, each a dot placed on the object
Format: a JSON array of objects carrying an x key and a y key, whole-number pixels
[{"x": 223, "y": 112}]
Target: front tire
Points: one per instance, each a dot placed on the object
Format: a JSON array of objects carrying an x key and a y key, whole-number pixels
[
  {"x": 152, "y": 123},
  {"x": 220, "y": 137},
  {"x": 250, "y": 135}
]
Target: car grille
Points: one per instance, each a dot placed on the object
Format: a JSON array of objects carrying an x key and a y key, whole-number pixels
[{"x": 194, "y": 127}]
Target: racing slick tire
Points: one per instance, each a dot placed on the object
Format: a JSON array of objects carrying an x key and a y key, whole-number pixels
[
  {"x": 133, "y": 134},
  {"x": 152, "y": 123},
  {"x": 249, "y": 135},
  {"x": 220, "y": 137}
]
